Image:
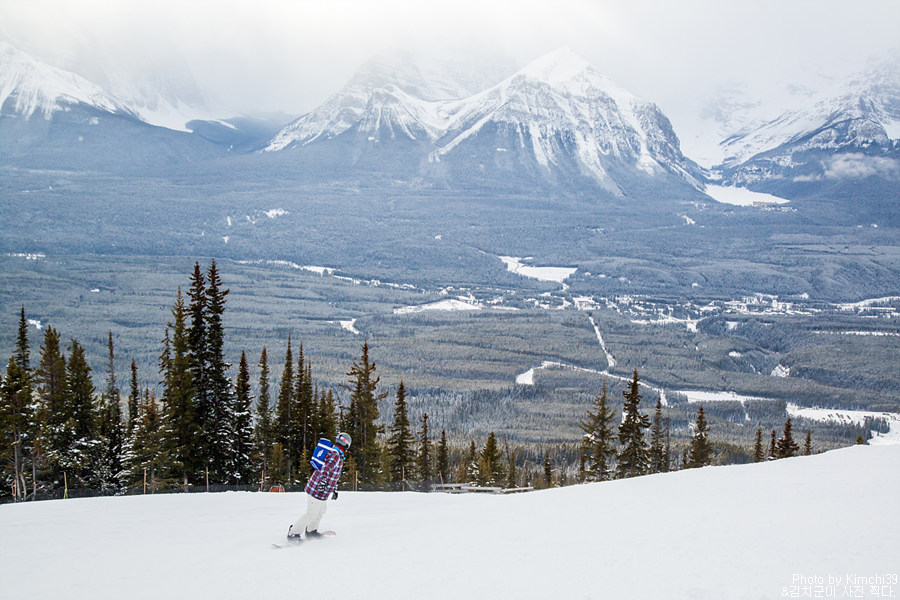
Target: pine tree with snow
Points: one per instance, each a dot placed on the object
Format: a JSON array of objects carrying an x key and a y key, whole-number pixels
[
  {"x": 50, "y": 381},
  {"x": 758, "y": 451},
  {"x": 242, "y": 469},
  {"x": 633, "y": 458},
  {"x": 786, "y": 447},
  {"x": 658, "y": 461},
  {"x": 147, "y": 459},
  {"x": 424, "y": 458},
  {"x": 599, "y": 440},
  {"x": 469, "y": 469},
  {"x": 15, "y": 426},
  {"x": 700, "y": 454},
  {"x": 401, "y": 441},
  {"x": 81, "y": 454},
  {"x": 807, "y": 443}
]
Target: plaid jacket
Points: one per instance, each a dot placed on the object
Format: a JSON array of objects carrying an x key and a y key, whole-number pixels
[{"x": 325, "y": 480}]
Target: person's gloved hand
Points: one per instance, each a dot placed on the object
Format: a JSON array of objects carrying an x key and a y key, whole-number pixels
[{"x": 334, "y": 495}]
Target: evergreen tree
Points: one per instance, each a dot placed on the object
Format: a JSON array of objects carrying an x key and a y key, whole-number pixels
[
  {"x": 443, "y": 458},
  {"x": 148, "y": 457},
  {"x": 598, "y": 437},
  {"x": 772, "y": 448},
  {"x": 23, "y": 348},
  {"x": 242, "y": 426},
  {"x": 82, "y": 454},
  {"x": 581, "y": 476},
  {"x": 15, "y": 425},
  {"x": 198, "y": 358},
  {"x": 134, "y": 398},
  {"x": 700, "y": 454},
  {"x": 658, "y": 461},
  {"x": 112, "y": 429},
  {"x": 492, "y": 471},
  {"x": 363, "y": 415},
  {"x": 219, "y": 416},
  {"x": 284, "y": 433},
  {"x": 512, "y": 474},
  {"x": 182, "y": 435},
  {"x": 807, "y": 444},
  {"x": 304, "y": 412},
  {"x": 21, "y": 411},
  {"x": 50, "y": 379},
  {"x": 548, "y": 471},
  {"x": 469, "y": 468},
  {"x": 633, "y": 459},
  {"x": 758, "y": 452},
  {"x": 401, "y": 441},
  {"x": 424, "y": 456},
  {"x": 327, "y": 421},
  {"x": 263, "y": 430},
  {"x": 786, "y": 447}
]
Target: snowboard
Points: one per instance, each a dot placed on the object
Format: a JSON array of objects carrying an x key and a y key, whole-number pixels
[{"x": 282, "y": 545}]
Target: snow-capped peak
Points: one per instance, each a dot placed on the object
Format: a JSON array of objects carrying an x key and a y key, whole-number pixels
[
  {"x": 28, "y": 86},
  {"x": 561, "y": 107},
  {"x": 557, "y": 67},
  {"x": 559, "y": 110}
]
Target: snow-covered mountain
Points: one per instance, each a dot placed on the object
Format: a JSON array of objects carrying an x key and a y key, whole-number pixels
[
  {"x": 845, "y": 131},
  {"x": 30, "y": 88},
  {"x": 558, "y": 117},
  {"x": 391, "y": 94}
]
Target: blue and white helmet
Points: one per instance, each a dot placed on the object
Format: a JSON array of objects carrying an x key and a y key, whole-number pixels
[{"x": 343, "y": 440}]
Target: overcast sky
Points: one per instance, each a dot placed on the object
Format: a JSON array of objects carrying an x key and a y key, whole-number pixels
[{"x": 288, "y": 55}]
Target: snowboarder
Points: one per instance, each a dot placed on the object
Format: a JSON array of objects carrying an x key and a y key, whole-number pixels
[{"x": 321, "y": 484}]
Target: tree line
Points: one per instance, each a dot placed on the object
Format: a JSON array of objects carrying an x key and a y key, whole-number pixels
[
  {"x": 618, "y": 452},
  {"x": 58, "y": 432}
]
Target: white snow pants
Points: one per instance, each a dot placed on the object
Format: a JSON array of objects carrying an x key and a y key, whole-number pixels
[{"x": 315, "y": 510}]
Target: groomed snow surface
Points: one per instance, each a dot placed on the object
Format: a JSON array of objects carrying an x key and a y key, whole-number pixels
[{"x": 718, "y": 533}]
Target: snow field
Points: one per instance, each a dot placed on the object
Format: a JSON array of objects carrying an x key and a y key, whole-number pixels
[{"x": 718, "y": 532}]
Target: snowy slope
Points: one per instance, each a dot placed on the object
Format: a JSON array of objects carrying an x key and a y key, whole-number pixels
[
  {"x": 718, "y": 533},
  {"x": 29, "y": 88}
]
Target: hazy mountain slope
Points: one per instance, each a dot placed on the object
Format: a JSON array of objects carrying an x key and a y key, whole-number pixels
[
  {"x": 51, "y": 118},
  {"x": 848, "y": 133}
]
